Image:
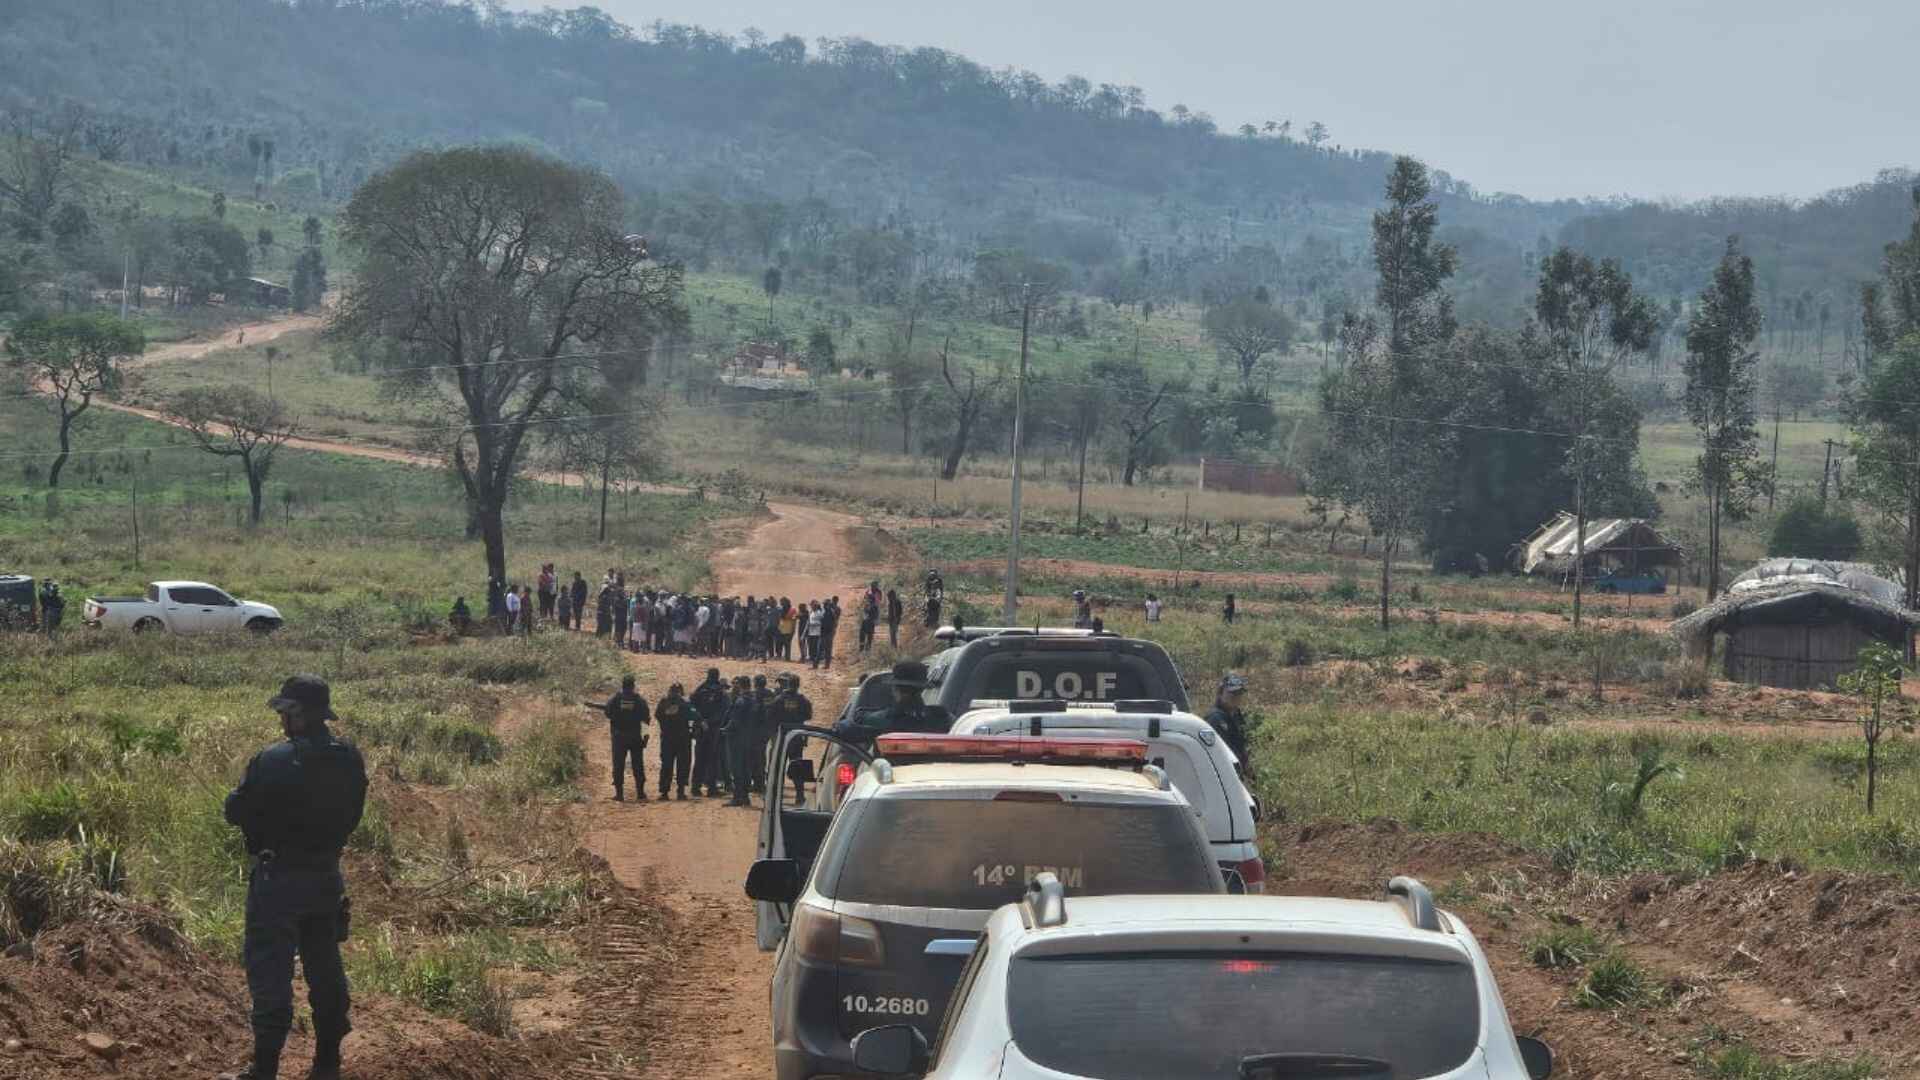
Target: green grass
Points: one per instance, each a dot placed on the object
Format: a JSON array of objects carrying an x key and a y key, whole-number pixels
[
  {"x": 1614, "y": 981},
  {"x": 1563, "y": 947},
  {"x": 1719, "y": 1055}
]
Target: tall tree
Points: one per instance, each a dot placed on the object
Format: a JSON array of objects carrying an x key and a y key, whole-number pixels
[
  {"x": 483, "y": 272},
  {"x": 1902, "y": 265},
  {"x": 1886, "y": 448},
  {"x": 1246, "y": 330},
  {"x": 910, "y": 385},
  {"x": 971, "y": 395},
  {"x": 1592, "y": 321},
  {"x": 37, "y": 169},
  {"x": 1143, "y": 409},
  {"x": 1387, "y": 405},
  {"x": 236, "y": 422},
  {"x": 72, "y": 358},
  {"x": 1722, "y": 375}
]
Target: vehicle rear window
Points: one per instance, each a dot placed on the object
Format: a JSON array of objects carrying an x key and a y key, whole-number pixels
[
  {"x": 979, "y": 854},
  {"x": 1065, "y": 675},
  {"x": 1198, "y": 1016}
]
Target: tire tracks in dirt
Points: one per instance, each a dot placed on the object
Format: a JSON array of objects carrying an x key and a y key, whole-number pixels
[{"x": 707, "y": 1015}]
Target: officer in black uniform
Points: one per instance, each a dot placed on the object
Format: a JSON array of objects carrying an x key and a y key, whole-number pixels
[
  {"x": 676, "y": 718},
  {"x": 1229, "y": 718},
  {"x": 709, "y": 757},
  {"x": 762, "y": 730},
  {"x": 907, "y": 713},
  {"x": 790, "y": 710},
  {"x": 296, "y": 806},
  {"x": 627, "y": 724},
  {"x": 741, "y": 732}
]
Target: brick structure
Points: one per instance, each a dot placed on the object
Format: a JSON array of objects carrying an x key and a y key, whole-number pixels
[{"x": 1248, "y": 477}]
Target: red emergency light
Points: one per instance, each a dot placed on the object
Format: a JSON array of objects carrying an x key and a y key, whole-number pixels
[{"x": 1053, "y": 748}]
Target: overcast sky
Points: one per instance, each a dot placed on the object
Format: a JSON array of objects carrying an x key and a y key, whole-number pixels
[{"x": 1678, "y": 98}]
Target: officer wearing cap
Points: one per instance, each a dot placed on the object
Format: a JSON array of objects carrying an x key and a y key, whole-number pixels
[
  {"x": 909, "y": 712},
  {"x": 709, "y": 756},
  {"x": 790, "y": 710},
  {"x": 627, "y": 721},
  {"x": 1229, "y": 717},
  {"x": 741, "y": 732},
  {"x": 676, "y": 716},
  {"x": 296, "y": 805}
]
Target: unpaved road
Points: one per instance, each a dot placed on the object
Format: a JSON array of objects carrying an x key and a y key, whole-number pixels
[
  {"x": 693, "y": 856},
  {"x": 237, "y": 337}
]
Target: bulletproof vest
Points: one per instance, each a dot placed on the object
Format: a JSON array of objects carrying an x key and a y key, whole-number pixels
[
  {"x": 308, "y": 795},
  {"x": 626, "y": 714},
  {"x": 674, "y": 722}
]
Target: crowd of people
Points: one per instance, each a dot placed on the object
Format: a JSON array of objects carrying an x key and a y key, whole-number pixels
[{"x": 659, "y": 620}]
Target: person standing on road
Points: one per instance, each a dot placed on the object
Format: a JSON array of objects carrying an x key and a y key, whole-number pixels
[
  {"x": 869, "y": 620},
  {"x": 565, "y": 608},
  {"x": 709, "y": 762},
  {"x": 296, "y": 806},
  {"x": 627, "y": 725},
  {"x": 895, "y": 611},
  {"x": 618, "y": 603},
  {"x": 816, "y": 623},
  {"x": 740, "y": 731},
  {"x": 579, "y": 591},
  {"x": 829, "y": 625},
  {"x": 783, "y": 631},
  {"x": 791, "y": 710},
  {"x": 676, "y": 718},
  {"x": 1229, "y": 718}
]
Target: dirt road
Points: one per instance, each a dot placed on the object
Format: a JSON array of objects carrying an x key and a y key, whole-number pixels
[
  {"x": 254, "y": 333},
  {"x": 710, "y": 1016}
]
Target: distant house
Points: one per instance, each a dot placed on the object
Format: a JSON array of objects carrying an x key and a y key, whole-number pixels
[
  {"x": 1631, "y": 545},
  {"x": 1798, "y": 624},
  {"x": 259, "y": 292},
  {"x": 760, "y": 367}
]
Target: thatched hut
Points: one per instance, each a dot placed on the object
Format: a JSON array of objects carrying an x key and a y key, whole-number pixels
[{"x": 1798, "y": 632}]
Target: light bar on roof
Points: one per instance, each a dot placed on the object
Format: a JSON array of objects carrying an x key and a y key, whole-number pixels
[{"x": 1053, "y": 748}]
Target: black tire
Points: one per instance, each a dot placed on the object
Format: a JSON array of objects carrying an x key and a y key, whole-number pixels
[
  {"x": 149, "y": 623},
  {"x": 262, "y": 626}
]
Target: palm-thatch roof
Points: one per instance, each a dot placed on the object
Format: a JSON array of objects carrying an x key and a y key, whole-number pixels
[{"x": 1792, "y": 600}]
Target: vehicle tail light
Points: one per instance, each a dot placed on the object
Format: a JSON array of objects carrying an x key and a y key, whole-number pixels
[
  {"x": 822, "y": 937},
  {"x": 901, "y": 747},
  {"x": 1254, "y": 872},
  {"x": 1016, "y": 795},
  {"x": 843, "y": 776}
]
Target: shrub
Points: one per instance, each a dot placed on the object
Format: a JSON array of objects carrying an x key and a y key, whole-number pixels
[
  {"x": 1616, "y": 982},
  {"x": 1345, "y": 590},
  {"x": 1813, "y": 530},
  {"x": 51, "y": 813},
  {"x": 1566, "y": 947}
]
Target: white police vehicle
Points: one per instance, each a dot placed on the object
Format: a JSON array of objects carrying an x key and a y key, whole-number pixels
[
  {"x": 874, "y": 906},
  {"x": 1217, "y": 988},
  {"x": 1195, "y": 758}
]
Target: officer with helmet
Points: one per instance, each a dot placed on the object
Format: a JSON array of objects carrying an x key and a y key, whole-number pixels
[
  {"x": 908, "y": 712},
  {"x": 1229, "y": 717}
]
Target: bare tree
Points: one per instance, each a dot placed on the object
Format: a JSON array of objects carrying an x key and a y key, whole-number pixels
[
  {"x": 37, "y": 172},
  {"x": 969, "y": 401},
  {"x": 236, "y": 422}
]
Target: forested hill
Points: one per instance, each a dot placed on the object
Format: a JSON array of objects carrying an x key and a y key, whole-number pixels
[{"x": 733, "y": 145}]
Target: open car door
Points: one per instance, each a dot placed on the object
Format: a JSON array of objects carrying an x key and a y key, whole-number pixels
[{"x": 793, "y": 828}]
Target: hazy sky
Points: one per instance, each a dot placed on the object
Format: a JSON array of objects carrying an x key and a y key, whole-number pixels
[{"x": 1681, "y": 98}]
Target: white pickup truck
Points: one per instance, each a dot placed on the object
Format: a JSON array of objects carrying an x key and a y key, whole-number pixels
[{"x": 183, "y": 607}]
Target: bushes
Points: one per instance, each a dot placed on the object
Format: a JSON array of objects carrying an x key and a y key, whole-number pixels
[
  {"x": 1614, "y": 982},
  {"x": 1566, "y": 947}
]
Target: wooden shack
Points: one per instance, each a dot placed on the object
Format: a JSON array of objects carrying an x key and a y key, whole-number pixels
[{"x": 1797, "y": 635}]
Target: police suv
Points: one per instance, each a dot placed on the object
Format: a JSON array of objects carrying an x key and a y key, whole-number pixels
[
  {"x": 875, "y": 906},
  {"x": 1217, "y": 988},
  {"x": 1194, "y": 757},
  {"x": 1048, "y": 664}
]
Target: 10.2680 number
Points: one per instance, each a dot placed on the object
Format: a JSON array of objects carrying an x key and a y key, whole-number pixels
[{"x": 886, "y": 1006}]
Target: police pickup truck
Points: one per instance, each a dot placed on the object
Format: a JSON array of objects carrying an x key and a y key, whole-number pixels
[{"x": 182, "y": 607}]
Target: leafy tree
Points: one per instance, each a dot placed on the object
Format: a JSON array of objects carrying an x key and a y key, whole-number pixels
[
  {"x": 1876, "y": 682},
  {"x": 309, "y": 280},
  {"x": 204, "y": 256},
  {"x": 311, "y": 229},
  {"x": 482, "y": 272},
  {"x": 910, "y": 385},
  {"x": 1721, "y": 379},
  {"x": 264, "y": 239},
  {"x": 1388, "y": 405},
  {"x": 1886, "y": 450},
  {"x": 1591, "y": 321},
  {"x": 820, "y": 348},
  {"x": 1902, "y": 265},
  {"x": 1809, "y": 529},
  {"x": 236, "y": 422},
  {"x": 1247, "y": 330},
  {"x": 72, "y": 358}
]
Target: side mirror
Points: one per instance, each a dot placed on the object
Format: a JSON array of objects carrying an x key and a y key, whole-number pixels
[
  {"x": 894, "y": 1050},
  {"x": 776, "y": 881},
  {"x": 1537, "y": 1056},
  {"x": 1236, "y": 885}
]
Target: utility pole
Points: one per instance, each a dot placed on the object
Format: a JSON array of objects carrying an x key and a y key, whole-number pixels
[
  {"x": 1019, "y": 417},
  {"x": 1080, "y": 488},
  {"x": 1826, "y": 471},
  {"x": 1774, "y": 484},
  {"x": 136, "y": 517},
  {"x": 126, "y": 279}
]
